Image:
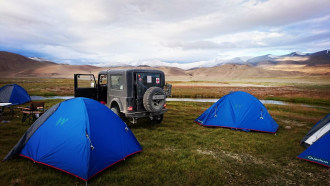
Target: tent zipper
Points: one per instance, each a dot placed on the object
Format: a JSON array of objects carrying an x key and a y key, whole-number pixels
[{"x": 91, "y": 146}]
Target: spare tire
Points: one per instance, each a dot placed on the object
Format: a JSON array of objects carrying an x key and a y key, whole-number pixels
[{"x": 154, "y": 99}]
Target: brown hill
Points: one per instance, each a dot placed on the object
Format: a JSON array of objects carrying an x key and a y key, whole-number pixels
[
  {"x": 235, "y": 71},
  {"x": 15, "y": 65},
  {"x": 59, "y": 71},
  {"x": 11, "y": 64}
]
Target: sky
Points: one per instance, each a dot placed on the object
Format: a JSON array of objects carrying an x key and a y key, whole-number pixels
[{"x": 182, "y": 33}]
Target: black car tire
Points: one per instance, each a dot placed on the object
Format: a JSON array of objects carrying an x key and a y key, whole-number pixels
[{"x": 153, "y": 105}]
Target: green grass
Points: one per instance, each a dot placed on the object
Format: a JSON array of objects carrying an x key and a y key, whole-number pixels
[
  {"x": 180, "y": 152},
  {"x": 42, "y": 86},
  {"x": 302, "y": 100},
  {"x": 310, "y": 81},
  {"x": 315, "y": 91}
]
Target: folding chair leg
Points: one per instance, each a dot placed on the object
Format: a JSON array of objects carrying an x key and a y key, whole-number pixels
[
  {"x": 34, "y": 117},
  {"x": 30, "y": 118},
  {"x": 24, "y": 118},
  {"x": 12, "y": 112}
]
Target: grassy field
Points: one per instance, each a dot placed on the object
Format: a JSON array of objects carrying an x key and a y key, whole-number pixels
[
  {"x": 294, "y": 94},
  {"x": 311, "y": 90},
  {"x": 180, "y": 152},
  {"x": 42, "y": 86}
]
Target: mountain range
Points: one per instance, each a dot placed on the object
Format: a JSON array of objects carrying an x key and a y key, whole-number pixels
[{"x": 268, "y": 66}]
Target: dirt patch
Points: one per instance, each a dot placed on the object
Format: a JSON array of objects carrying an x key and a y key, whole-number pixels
[
  {"x": 208, "y": 152},
  {"x": 293, "y": 123},
  {"x": 170, "y": 149},
  {"x": 241, "y": 158}
]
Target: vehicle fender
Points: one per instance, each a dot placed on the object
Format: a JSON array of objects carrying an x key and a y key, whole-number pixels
[{"x": 118, "y": 102}]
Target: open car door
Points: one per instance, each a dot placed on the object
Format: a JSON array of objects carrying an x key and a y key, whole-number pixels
[{"x": 85, "y": 86}]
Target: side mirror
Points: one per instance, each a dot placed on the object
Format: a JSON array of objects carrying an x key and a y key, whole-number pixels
[{"x": 92, "y": 84}]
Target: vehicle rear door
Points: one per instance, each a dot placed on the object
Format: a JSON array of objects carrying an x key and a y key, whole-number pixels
[
  {"x": 85, "y": 86},
  {"x": 145, "y": 80}
]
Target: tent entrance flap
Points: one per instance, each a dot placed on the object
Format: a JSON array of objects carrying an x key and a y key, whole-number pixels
[{"x": 318, "y": 134}]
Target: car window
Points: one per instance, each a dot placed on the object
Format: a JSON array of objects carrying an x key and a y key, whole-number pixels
[
  {"x": 85, "y": 81},
  {"x": 116, "y": 82},
  {"x": 103, "y": 79}
]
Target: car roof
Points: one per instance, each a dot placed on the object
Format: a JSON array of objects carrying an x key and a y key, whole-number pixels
[{"x": 130, "y": 70}]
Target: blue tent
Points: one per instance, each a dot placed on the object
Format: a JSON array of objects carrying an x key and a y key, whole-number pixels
[
  {"x": 79, "y": 136},
  {"x": 238, "y": 110},
  {"x": 14, "y": 94},
  {"x": 319, "y": 151},
  {"x": 317, "y": 142},
  {"x": 316, "y": 132}
]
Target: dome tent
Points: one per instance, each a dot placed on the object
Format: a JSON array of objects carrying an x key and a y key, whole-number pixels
[
  {"x": 317, "y": 142},
  {"x": 238, "y": 110},
  {"x": 14, "y": 94},
  {"x": 79, "y": 136}
]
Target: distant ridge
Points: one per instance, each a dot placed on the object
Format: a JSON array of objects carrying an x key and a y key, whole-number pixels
[
  {"x": 294, "y": 54},
  {"x": 259, "y": 59},
  {"x": 311, "y": 59},
  {"x": 293, "y": 64},
  {"x": 319, "y": 58}
]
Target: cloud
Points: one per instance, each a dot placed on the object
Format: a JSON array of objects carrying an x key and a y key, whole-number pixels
[
  {"x": 250, "y": 15},
  {"x": 123, "y": 32},
  {"x": 198, "y": 45}
]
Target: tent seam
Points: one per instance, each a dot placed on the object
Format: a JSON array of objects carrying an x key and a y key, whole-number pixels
[{"x": 87, "y": 133}]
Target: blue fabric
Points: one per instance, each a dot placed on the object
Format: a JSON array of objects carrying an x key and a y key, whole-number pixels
[
  {"x": 319, "y": 151},
  {"x": 110, "y": 136},
  {"x": 16, "y": 96},
  {"x": 82, "y": 138},
  {"x": 239, "y": 110}
]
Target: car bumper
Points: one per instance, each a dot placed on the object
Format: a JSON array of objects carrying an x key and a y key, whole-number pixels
[{"x": 144, "y": 114}]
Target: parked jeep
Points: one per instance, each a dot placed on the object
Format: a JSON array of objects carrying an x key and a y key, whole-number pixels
[{"x": 131, "y": 93}]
